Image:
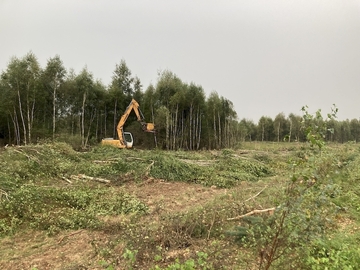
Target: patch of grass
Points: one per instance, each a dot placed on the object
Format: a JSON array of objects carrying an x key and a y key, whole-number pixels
[{"x": 55, "y": 209}]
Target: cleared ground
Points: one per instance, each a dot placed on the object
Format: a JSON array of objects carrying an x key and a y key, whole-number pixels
[{"x": 189, "y": 197}]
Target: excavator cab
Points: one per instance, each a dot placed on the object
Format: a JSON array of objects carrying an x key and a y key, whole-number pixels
[{"x": 129, "y": 140}]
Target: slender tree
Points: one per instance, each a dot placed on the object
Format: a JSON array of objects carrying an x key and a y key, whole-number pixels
[
  {"x": 213, "y": 111},
  {"x": 355, "y": 130},
  {"x": 169, "y": 90},
  {"x": 121, "y": 91},
  {"x": 53, "y": 78},
  {"x": 280, "y": 126},
  {"x": 265, "y": 129},
  {"x": 246, "y": 130},
  {"x": 21, "y": 80},
  {"x": 294, "y": 127}
]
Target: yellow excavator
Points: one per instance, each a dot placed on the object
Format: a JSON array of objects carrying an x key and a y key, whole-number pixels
[{"x": 125, "y": 138}]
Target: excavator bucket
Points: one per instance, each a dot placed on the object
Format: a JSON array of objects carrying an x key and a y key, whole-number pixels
[{"x": 149, "y": 127}]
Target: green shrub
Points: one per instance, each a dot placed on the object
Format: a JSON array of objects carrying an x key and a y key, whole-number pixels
[
  {"x": 64, "y": 208},
  {"x": 170, "y": 168},
  {"x": 332, "y": 255}
]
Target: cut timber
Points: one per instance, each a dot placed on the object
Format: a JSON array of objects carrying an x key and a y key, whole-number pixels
[
  {"x": 83, "y": 176},
  {"x": 67, "y": 180},
  {"x": 253, "y": 212}
]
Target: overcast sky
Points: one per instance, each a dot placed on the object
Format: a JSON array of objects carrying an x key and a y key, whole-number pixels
[{"x": 266, "y": 56}]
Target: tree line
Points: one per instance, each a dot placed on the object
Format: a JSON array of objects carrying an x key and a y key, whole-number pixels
[{"x": 52, "y": 102}]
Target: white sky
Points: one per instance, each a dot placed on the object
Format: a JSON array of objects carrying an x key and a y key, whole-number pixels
[{"x": 266, "y": 56}]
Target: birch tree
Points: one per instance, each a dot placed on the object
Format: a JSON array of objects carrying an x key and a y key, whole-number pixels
[
  {"x": 54, "y": 76},
  {"x": 265, "y": 129},
  {"x": 21, "y": 79},
  {"x": 294, "y": 127},
  {"x": 121, "y": 91},
  {"x": 280, "y": 126},
  {"x": 84, "y": 86},
  {"x": 213, "y": 105}
]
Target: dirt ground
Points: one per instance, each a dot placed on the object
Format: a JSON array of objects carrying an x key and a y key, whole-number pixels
[
  {"x": 76, "y": 249},
  {"x": 172, "y": 196}
]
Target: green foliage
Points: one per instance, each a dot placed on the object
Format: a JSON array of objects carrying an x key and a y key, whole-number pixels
[
  {"x": 302, "y": 233},
  {"x": 316, "y": 127},
  {"x": 105, "y": 265},
  {"x": 227, "y": 170},
  {"x": 41, "y": 164},
  {"x": 249, "y": 225},
  {"x": 130, "y": 257},
  {"x": 189, "y": 264},
  {"x": 55, "y": 209},
  {"x": 348, "y": 199},
  {"x": 265, "y": 158},
  {"x": 35, "y": 163},
  {"x": 168, "y": 167},
  {"x": 304, "y": 212},
  {"x": 332, "y": 255},
  {"x": 72, "y": 140}
]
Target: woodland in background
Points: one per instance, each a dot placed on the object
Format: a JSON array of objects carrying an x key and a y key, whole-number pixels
[{"x": 55, "y": 103}]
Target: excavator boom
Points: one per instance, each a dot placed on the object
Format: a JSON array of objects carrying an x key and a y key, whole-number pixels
[{"x": 125, "y": 138}]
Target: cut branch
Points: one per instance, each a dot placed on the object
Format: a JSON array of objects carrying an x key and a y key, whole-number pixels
[
  {"x": 29, "y": 157},
  {"x": 257, "y": 194},
  {"x": 83, "y": 176},
  {"x": 115, "y": 160},
  {"x": 256, "y": 211},
  {"x": 67, "y": 180}
]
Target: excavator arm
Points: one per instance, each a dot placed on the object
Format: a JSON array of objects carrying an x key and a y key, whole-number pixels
[{"x": 147, "y": 127}]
